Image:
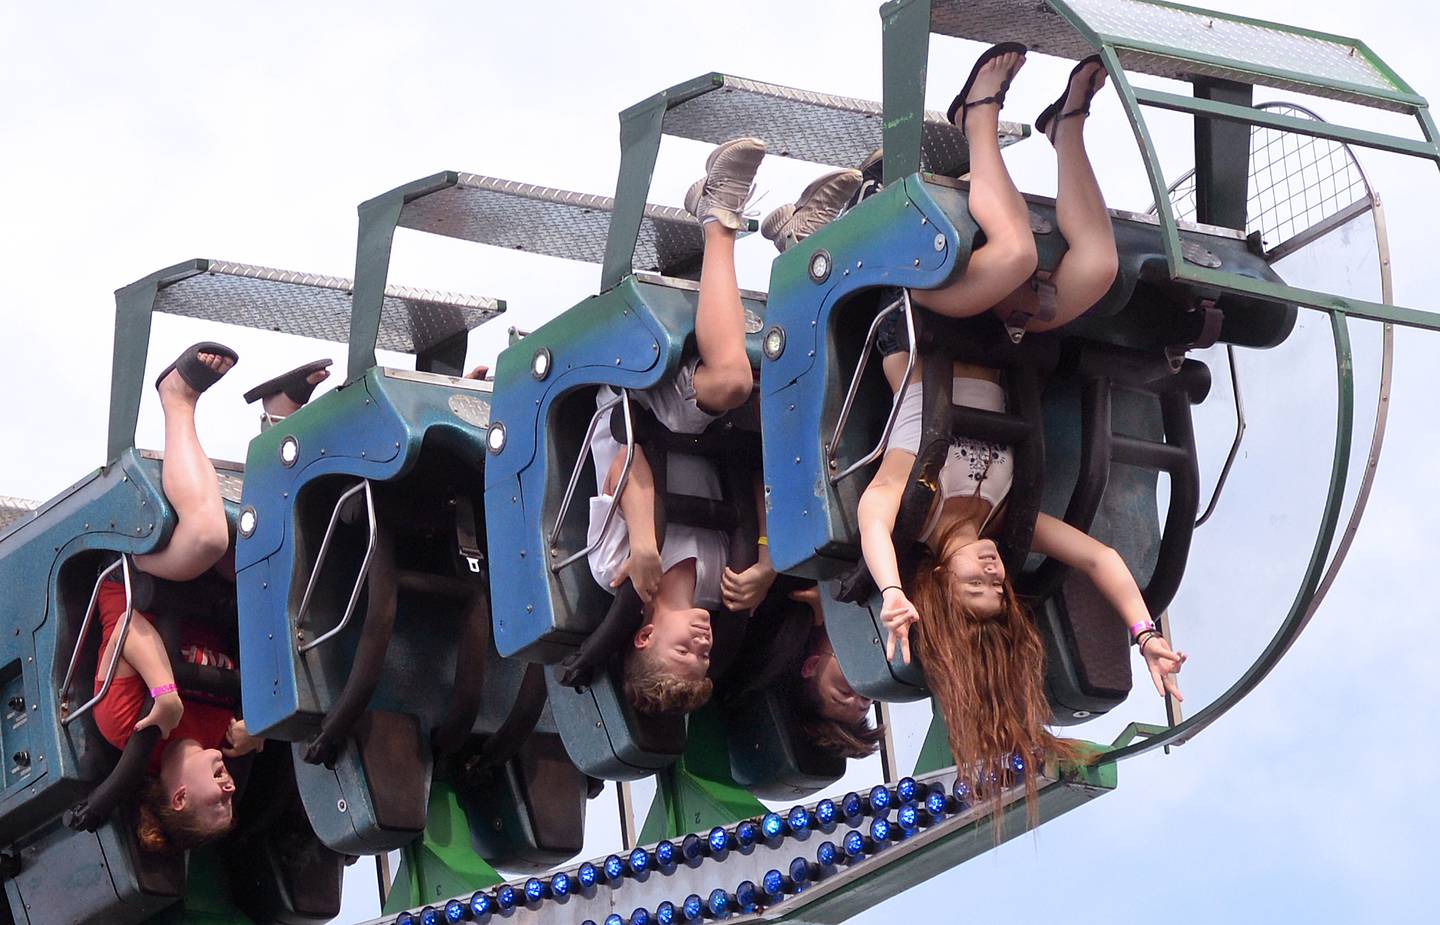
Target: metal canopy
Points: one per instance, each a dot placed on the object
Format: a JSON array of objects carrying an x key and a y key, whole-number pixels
[
  {"x": 13, "y": 509},
  {"x": 554, "y": 222},
  {"x": 1182, "y": 43},
  {"x": 811, "y": 126},
  {"x": 310, "y": 305}
]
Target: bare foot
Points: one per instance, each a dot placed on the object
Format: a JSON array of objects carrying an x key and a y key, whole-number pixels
[
  {"x": 1077, "y": 97},
  {"x": 174, "y": 388},
  {"x": 988, "y": 82},
  {"x": 281, "y": 405}
]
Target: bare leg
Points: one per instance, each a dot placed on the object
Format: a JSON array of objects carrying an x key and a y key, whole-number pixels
[
  {"x": 1008, "y": 257},
  {"x": 281, "y": 405},
  {"x": 188, "y": 478},
  {"x": 1088, "y": 268},
  {"x": 723, "y": 380}
]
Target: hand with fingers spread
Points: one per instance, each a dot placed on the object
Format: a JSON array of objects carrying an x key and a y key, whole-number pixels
[
  {"x": 1164, "y": 664},
  {"x": 743, "y": 591},
  {"x": 164, "y": 713},
  {"x": 239, "y": 741},
  {"x": 642, "y": 568},
  {"x": 897, "y": 613}
]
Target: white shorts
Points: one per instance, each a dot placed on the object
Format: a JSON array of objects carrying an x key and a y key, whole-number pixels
[{"x": 672, "y": 401}]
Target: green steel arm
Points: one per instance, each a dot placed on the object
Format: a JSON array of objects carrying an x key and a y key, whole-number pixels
[
  {"x": 1300, "y": 611},
  {"x": 1250, "y": 116},
  {"x": 378, "y": 218},
  {"x": 1323, "y": 301},
  {"x": 905, "y": 38}
]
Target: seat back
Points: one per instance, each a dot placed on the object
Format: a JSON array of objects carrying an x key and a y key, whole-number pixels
[
  {"x": 608, "y": 738},
  {"x": 529, "y": 814},
  {"x": 769, "y": 753},
  {"x": 84, "y": 877}
]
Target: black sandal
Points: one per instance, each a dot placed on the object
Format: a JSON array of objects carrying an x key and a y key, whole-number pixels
[
  {"x": 196, "y": 374},
  {"x": 1048, "y": 119},
  {"x": 991, "y": 53},
  {"x": 295, "y": 384}
]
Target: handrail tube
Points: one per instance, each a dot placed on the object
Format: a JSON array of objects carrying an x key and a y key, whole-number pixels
[
  {"x": 67, "y": 717},
  {"x": 624, "y": 399},
  {"x": 1234, "y": 444},
  {"x": 1137, "y": 451},
  {"x": 991, "y": 426},
  {"x": 369, "y": 659},
  {"x": 320, "y": 560},
  {"x": 834, "y": 446},
  {"x": 1303, "y": 608}
]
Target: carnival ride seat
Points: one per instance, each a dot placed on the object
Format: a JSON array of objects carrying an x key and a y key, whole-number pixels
[{"x": 770, "y": 754}]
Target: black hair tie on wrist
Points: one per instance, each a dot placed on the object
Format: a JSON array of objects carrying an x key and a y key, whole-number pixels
[{"x": 888, "y": 587}]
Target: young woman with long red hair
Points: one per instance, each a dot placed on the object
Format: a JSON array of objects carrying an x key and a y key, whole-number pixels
[{"x": 982, "y": 656}]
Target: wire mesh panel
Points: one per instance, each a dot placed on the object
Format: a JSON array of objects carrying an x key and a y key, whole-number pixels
[
  {"x": 1300, "y": 186},
  {"x": 1182, "y": 43},
  {"x": 13, "y": 509},
  {"x": 819, "y": 127},
  {"x": 554, "y": 222},
  {"x": 311, "y": 305}
]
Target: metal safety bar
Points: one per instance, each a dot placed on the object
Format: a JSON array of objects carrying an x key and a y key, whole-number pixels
[
  {"x": 1235, "y": 445},
  {"x": 623, "y": 399},
  {"x": 66, "y": 717},
  {"x": 833, "y": 446},
  {"x": 320, "y": 561}
]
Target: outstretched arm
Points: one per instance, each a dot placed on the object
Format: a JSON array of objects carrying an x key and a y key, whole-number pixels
[
  {"x": 879, "y": 506},
  {"x": 144, "y": 654},
  {"x": 1110, "y": 575}
]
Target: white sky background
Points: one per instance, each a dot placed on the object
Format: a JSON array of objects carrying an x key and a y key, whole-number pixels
[{"x": 138, "y": 136}]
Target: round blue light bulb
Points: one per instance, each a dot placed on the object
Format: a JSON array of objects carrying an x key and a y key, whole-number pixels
[
  {"x": 404, "y": 918},
  {"x": 773, "y": 826},
  {"x": 962, "y": 791},
  {"x": 718, "y": 840},
  {"x": 798, "y": 819},
  {"x": 907, "y": 789},
  {"x": 505, "y": 896},
  {"x": 560, "y": 885},
  {"x": 480, "y": 906},
  {"x": 692, "y": 846},
  {"x": 613, "y": 919},
  {"x": 454, "y": 911},
  {"x": 718, "y": 903},
  {"x": 773, "y": 883},
  {"x": 665, "y": 853},
  {"x": 880, "y": 831},
  {"x": 799, "y": 871},
  {"x": 640, "y": 916},
  {"x": 665, "y": 913},
  {"x": 935, "y": 803},
  {"x": 614, "y": 867},
  {"x": 908, "y": 817},
  {"x": 639, "y": 861},
  {"x": 879, "y": 800},
  {"x": 851, "y": 806},
  {"x": 534, "y": 890},
  {"x": 1017, "y": 763},
  {"x": 588, "y": 875},
  {"x": 429, "y": 916},
  {"x": 825, "y": 813},
  {"x": 746, "y": 895},
  {"x": 854, "y": 845},
  {"x": 692, "y": 908},
  {"x": 747, "y": 833},
  {"x": 825, "y": 854}
]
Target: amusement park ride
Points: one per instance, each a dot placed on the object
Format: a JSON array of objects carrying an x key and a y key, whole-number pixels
[{"x": 423, "y": 700}]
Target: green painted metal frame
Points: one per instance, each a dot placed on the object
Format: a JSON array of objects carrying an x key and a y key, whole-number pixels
[{"x": 906, "y": 31}]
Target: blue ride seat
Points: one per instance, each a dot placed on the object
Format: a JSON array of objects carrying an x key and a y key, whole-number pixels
[
  {"x": 770, "y": 754},
  {"x": 917, "y": 233}
]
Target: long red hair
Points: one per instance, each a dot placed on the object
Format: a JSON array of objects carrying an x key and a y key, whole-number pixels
[{"x": 987, "y": 675}]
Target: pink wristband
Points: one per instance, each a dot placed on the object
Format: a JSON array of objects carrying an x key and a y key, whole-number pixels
[
  {"x": 162, "y": 690},
  {"x": 1137, "y": 628}
]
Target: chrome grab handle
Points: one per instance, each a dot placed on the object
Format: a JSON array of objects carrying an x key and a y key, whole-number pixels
[
  {"x": 834, "y": 445},
  {"x": 623, "y": 399},
  {"x": 320, "y": 561},
  {"x": 1235, "y": 445},
  {"x": 66, "y": 717}
]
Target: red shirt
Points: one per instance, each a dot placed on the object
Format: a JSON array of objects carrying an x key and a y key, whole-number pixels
[{"x": 117, "y": 714}]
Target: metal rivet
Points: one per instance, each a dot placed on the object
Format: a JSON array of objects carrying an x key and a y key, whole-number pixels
[
  {"x": 859, "y": 264},
  {"x": 341, "y": 805},
  {"x": 917, "y": 261},
  {"x": 939, "y": 242}
]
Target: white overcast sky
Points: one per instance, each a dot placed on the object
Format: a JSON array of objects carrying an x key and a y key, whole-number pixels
[{"x": 139, "y": 135}]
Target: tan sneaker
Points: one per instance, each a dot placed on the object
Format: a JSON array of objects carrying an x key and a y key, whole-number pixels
[
  {"x": 817, "y": 207},
  {"x": 728, "y": 184}
]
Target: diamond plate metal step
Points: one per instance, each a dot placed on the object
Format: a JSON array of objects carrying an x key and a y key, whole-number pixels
[
  {"x": 1181, "y": 43},
  {"x": 810, "y": 126},
  {"x": 14, "y": 509},
  {"x": 553, "y": 222},
  {"x": 311, "y": 305}
]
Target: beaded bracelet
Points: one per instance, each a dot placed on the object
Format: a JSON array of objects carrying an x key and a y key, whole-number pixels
[{"x": 162, "y": 690}]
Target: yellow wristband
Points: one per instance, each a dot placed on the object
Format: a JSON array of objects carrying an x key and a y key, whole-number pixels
[{"x": 762, "y": 541}]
